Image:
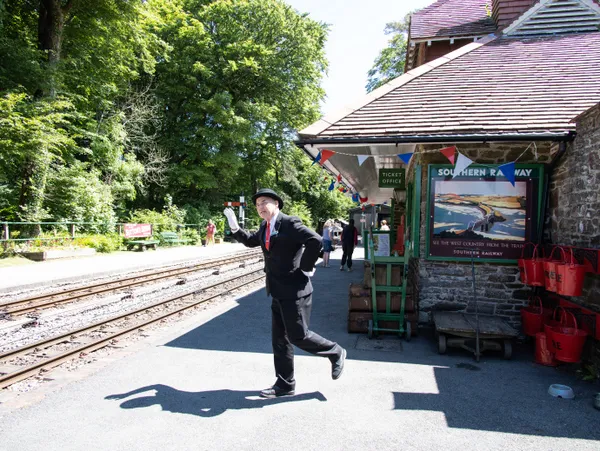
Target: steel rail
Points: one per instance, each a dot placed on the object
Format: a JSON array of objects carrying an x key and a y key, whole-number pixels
[
  {"x": 90, "y": 290},
  {"x": 27, "y": 371}
]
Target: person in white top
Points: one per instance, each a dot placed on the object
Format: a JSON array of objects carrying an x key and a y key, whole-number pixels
[
  {"x": 384, "y": 225},
  {"x": 327, "y": 242}
]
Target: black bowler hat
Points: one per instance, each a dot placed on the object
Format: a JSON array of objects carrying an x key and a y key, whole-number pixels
[{"x": 266, "y": 192}]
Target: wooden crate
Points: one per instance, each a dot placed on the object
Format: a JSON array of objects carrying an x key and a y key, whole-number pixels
[
  {"x": 364, "y": 304},
  {"x": 358, "y": 322},
  {"x": 380, "y": 275}
]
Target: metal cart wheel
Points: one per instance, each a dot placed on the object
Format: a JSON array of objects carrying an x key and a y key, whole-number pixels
[
  {"x": 507, "y": 349},
  {"x": 442, "y": 344},
  {"x": 408, "y": 329},
  {"x": 370, "y": 329}
]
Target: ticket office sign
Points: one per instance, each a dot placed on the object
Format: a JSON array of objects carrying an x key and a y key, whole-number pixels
[
  {"x": 392, "y": 178},
  {"x": 480, "y": 213}
]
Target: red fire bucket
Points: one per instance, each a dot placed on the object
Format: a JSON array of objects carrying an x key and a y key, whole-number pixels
[
  {"x": 543, "y": 353},
  {"x": 532, "y": 317},
  {"x": 570, "y": 276},
  {"x": 550, "y": 273},
  {"x": 567, "y": 342},
  {"x": 551, "y": 321},
  {"x": 534, "y": 269}
]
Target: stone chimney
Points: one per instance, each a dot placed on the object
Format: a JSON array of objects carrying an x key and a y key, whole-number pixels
[{"x": 504, "y": 12}]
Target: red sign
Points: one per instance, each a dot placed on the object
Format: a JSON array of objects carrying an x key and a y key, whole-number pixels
[{"x": 137, "y": 230}]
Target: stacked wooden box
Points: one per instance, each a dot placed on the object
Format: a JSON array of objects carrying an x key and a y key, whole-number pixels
[{"x": 360, "y": 306}]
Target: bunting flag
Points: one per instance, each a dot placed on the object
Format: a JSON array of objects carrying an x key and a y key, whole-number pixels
[
  {"x": 339, "y": 178},
  {"x": 345, "y": 190},
  {"x": 405, "y": 157},
  {"x": 317, "y": 159},
  {"x": 448, "y": 152},
  {"x": 332, "y": 185},
  {"x": 361, "y": 159},
  {"x": 341, "y": 188},
  {"x": 325, "y": 155},
  {"x": 508, "y": 169},
  {"x": 355, "y": 197},
  {"x": 363, "y": 199},
  {"x": 461, "y": 164}
]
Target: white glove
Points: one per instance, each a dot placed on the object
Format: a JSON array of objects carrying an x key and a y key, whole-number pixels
[
  {"x": 309, "y": 274},
  {"x": 231, "y": 219}
]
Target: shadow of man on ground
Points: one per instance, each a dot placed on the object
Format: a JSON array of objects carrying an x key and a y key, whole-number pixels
[{"x": 205, "y": 403}]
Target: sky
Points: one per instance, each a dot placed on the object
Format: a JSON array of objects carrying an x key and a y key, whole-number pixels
[{"x": 356, "y": 37}]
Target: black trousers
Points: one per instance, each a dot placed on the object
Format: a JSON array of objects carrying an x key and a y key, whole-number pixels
[
  {"x": 290, "y": 321},
  {"x": 348, "y": 249}
]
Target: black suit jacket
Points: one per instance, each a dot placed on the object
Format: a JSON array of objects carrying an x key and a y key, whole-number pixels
[{"x": 293, "y": 248}]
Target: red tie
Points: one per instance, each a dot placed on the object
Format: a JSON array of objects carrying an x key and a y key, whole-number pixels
[{"x": 268, "y": 235}]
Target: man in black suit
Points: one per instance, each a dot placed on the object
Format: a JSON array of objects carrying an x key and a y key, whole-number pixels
[{"x": 291, "y": 250}]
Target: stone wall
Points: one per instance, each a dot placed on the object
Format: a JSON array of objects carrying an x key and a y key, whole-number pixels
[
  {"x": 574, "y": 214},
  {"x": 448, "y": 285}
]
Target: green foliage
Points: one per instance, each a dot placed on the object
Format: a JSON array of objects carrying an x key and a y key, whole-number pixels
[
  {"x": 301, "y": 210},
  {"x": 168, "y": 220},
  {"x": 241, "y": 76},
  {"x": 77, "y": 194},
  {"x": 190, "y": 234},
  {"x": 389, "y": 64},
  {"x": 138, "y": 106},
  {"x": 589, "y": 372},
  {"x": 102, "y": 243}
]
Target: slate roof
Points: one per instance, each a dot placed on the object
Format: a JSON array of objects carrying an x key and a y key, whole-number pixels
[
  {"x": 452, "y": 18},
  {"x": 497, "y": 86}
]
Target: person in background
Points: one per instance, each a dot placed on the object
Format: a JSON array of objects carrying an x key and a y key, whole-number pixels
[
  {"x": 290, "y": 250},
  {"x": 210, "y": 232},
  {"x": 349, "y": 242},
  {"x": 384, "y": 225},
  {"x": 327, "y": 242}
]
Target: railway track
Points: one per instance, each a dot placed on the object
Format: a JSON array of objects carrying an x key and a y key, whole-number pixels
[
  {"x": 15, "y": 365},
  {"x": 44, "y": 301}
]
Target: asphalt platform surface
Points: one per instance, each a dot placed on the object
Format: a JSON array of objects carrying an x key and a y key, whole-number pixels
[{"x": 194, "y": 386}]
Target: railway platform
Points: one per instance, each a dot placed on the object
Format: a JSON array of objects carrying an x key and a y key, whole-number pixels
[
  {"x": 194, "y": 386},
  {"x": 34, "y": 274}
]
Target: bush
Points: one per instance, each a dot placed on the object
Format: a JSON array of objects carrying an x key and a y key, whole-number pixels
[
  {"x": 191, "y": 234},
  {"x": 102, "y": 243}
]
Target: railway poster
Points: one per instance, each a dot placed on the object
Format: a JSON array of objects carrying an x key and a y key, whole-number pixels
[{"x": 481, "y": 213}]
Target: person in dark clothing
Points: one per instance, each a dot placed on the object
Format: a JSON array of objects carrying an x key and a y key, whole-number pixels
[
  {"x": 349, "y": 241},
  {"x": 290, "y": 251}
]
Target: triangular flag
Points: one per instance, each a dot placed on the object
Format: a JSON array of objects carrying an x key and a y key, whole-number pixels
[
  {"x": 361, "y": 159},
  {"x": 339, "y": 178},
  {"x": 317, "y": 159},
  {"x": 341, "y": 188},
  {"x": 448, "y": 152},
  {"x": 364, "y": 199},
  {"x": 461, "y": 164},
  {"x": 325, "y": 155},
  {"x": 355, "y": 197},
  {"x": 332, "y": 185},
  {"x": 508, "y": 170},
  {"x": 405, "y": 157},
  {"x": 345, "y": 190}
]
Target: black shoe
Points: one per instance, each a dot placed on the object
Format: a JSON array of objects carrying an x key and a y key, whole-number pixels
[
  {"x": 276, "y": 392},
  {"x": 338, "y": 366}
]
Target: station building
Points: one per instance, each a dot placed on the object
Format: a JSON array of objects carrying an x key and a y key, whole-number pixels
[{"x": 509, "y": 92}]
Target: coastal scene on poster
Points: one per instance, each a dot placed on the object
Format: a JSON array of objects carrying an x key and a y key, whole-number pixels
[{"x": 481, "y": 213}]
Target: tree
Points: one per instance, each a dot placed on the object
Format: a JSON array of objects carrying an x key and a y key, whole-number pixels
[
  {"x": 390, "y": 62},
  {"x": 241, "y": 77}
]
